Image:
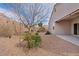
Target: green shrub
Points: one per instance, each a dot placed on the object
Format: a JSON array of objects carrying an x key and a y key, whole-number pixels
[
  {"x": 27, "y": 37},
  {"x": 33, "y": 41},
  {"x": 47, "y": 33},
  {"x": 36, "y": 40}
]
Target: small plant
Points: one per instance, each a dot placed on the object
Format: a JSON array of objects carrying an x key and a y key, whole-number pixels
[
  {"x": 33, "y": 40},
  {"x": 47, "y": 33},
  {"x": 41, "y": 29},
  {"x": 40, "y": 24},
  {"x": 36, "y": 40}
]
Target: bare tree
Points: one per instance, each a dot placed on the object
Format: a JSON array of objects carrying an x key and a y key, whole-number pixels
[{"x": 30, "y": 14}]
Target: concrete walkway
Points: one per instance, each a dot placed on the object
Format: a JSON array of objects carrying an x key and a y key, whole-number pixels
[{"x": 70, "y": 38}]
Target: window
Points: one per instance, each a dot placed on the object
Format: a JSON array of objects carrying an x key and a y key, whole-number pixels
[{"x": 76, "y": 29}]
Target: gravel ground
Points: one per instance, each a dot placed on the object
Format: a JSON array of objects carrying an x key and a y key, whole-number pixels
[
  {"x": 59, "y": 46},
  {"x": 50, "y": 46}
]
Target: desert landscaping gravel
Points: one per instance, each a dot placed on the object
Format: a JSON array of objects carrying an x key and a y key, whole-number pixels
[{"x": 50, "y": 46}]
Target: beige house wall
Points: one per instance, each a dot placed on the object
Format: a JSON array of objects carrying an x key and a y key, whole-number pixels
[
  {"x": 66, "y": 26},
  {"x": 63, "y": 9},
  {"x": 63, "y": 27},
  {"x": 72, "y": 23}
]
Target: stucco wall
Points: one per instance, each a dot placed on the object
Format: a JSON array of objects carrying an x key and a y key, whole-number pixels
[
  {"x": 72, "y": 23},
  {"x": 63, "y": 27},
  {"x": 50, "y": 25},
  {"x": 60, "y": 10},
  {"x": 64, "y": 9}
]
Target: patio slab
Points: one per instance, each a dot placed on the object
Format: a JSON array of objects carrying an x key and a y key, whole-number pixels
[{"x": 70, "y": 38}]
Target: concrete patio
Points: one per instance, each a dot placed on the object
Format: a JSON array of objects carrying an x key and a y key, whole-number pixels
[{"x": 70, "y": 38}]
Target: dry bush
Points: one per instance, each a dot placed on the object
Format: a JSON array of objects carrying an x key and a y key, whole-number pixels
[
  {"x": 48, "y": 33},
  {"x": 41, "y": 29}
]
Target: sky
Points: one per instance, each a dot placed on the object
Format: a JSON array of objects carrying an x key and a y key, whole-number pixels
[{"x": 5, "y": 9}]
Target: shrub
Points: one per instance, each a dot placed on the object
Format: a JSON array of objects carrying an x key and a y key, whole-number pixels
[
  {"x": 41, "y": 29},
  {"x": 40, "y": 24},
  {"x": 47, "y": 33},
  {"x": 36, "y": 40},
  {"x": 33, "y": 41}
]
